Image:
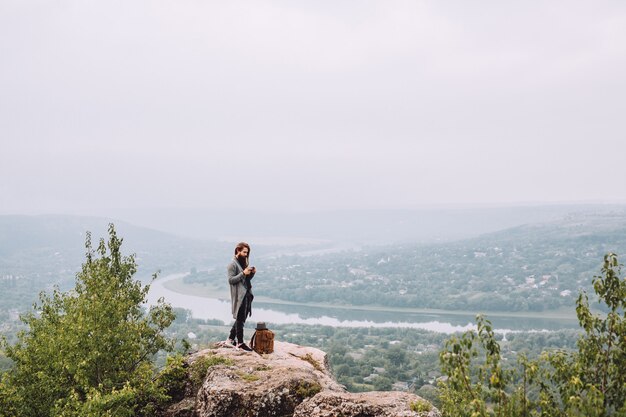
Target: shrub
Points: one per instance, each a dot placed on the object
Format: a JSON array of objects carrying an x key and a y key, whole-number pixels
[
  {"x": 421, "y": 406},
  {"x": 199, "y": 368}
]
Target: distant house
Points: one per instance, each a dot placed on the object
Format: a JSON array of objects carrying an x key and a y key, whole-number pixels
[
  {"x": 400, "y": 386},
  {"x": 433, "y": 376},
  {"x": 370, "y": 377}
]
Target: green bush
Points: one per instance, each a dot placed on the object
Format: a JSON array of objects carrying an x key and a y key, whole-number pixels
[
  {"x": 88, "y": 351},
  {"x": 173, "y": 377},
  {"x": 199, "y": 368},
  {"x": 421, "y": 406}
]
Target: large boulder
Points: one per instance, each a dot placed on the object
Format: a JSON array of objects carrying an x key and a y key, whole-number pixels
[{"x": 293, "y": 381}]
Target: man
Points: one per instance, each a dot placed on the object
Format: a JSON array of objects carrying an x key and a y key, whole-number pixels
[{"x": 240, "y": 273}]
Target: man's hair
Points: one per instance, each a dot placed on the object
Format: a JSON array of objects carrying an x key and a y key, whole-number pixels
[{"x": 240, "y": 247}]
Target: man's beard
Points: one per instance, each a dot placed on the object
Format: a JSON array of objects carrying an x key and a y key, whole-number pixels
[{"x": 243, "y": 260}]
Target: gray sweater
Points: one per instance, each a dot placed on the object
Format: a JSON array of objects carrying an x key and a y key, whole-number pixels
[{"x": 237, "y": 281}]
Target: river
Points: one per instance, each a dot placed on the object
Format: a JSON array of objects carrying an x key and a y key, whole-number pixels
[{"x": 212, "y": 308}]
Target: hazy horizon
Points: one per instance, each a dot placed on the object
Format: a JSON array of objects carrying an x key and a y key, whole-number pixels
[
  {"x": 301, "y": 106},
  {"x": 343, "y": 227}
]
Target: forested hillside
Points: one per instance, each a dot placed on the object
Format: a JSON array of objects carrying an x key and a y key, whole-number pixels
[{"x": 527, "y": 268}]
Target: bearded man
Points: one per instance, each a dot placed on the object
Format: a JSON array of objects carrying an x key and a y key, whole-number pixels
[{"x": 240, "y": 273}]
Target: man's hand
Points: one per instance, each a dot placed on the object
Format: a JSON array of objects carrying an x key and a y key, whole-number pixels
[{"x": 248, "y": 270}]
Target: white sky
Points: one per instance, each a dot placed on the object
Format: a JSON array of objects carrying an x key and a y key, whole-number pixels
[{"x": 317, "y": 104}]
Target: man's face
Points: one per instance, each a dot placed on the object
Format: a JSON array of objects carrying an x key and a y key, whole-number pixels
[{"x": 242, "y": 253}]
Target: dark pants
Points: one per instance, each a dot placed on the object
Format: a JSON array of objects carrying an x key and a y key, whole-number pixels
[{"x": 237, "y": 329}]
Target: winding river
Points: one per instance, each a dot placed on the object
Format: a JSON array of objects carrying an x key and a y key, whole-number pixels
[{"x": 213, "y": 308}]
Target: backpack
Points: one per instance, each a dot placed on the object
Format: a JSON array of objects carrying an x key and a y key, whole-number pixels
[{"x": 262, "y": 340}]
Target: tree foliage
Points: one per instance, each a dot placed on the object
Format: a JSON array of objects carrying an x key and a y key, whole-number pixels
[
  {"x": 88, "y": 351},
  {"x": 471, "y": 388},
  {"x": 586, "y": 382}
]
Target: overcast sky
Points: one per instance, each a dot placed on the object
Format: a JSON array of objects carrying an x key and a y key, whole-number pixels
[{"x": 316, "y": 104}]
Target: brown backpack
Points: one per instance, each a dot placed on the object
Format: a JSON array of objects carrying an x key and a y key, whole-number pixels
[{"x": 262, "y": 340}]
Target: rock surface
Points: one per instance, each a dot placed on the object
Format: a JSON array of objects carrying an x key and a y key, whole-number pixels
[
  {"x": 292, "y": 381},
  {"x": 364, "y": 404}
]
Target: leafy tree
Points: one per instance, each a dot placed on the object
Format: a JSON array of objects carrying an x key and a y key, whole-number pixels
[
  {"x": 396, "y": 355},
  {"x": 474, "y": 389},
  {"x": 588, "y": 382},
  {"x": 592, "y": 381},
  {"x": 87, "y": 352}
]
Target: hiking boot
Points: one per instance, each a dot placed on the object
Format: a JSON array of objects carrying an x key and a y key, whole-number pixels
[
  {"x": 231, "y": 342},
  {"x": 245, "y": 347}
]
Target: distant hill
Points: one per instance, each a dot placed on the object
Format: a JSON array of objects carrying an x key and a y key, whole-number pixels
[
  {"x": 65, "y": 235},
  {"x": 533, "y": 267},
  {"x": 605, "y": 225},
  {"x": 357, "y": 227},
  {"x": 38, "y": 252}
]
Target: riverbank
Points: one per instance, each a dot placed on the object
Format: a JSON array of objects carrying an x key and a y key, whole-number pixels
[{"x": 177, "y": 285}]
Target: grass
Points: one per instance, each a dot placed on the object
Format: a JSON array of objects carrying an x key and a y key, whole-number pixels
[
  {"x": 199, "y": 368},
  {"x": 309, "y": 358},
  {"x": 248, "y": 377}
]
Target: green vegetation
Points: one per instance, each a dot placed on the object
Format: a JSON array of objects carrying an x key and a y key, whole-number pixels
[
  {"x": 87, "y": 352},
  {"x": 247, "y": 377},
  {"x": 5, "y": 363},
  {"x": 199, "y": 368},
  {"x": 589, "y": 381},
  {"x": 421, "y": 406},
  {"x": 308, "y": 389},
  {"x": 178, "y": 375},
  {"x": 173, "y": 377},
  {"x": 309, "y": 358}
]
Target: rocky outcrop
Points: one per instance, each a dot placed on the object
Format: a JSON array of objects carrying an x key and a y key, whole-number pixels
[
  {"x": 364, "y": 404},
  {"x": 292, "y": 381}
]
